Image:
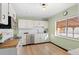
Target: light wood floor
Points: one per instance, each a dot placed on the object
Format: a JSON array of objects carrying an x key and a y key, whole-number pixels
[
  {"x": 41, "y": 49},
  {"x": 9, "y": 43}
]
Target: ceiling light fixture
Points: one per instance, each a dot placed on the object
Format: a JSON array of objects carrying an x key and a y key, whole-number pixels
[{"x": 44, "y": 6}]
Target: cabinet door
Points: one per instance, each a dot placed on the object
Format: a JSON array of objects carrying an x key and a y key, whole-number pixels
[
  {"x": 12, "y": 12},
  {"x": 4, "y": 13},
  {"x": 21, "y": 24},
  {"x": 0, "y": 11},
  {"x": 37, "y": 38},
  {"x": 44, "y": 24},
  {"x": 29, "y": 23},
  {"x": 41, "y": 24}
]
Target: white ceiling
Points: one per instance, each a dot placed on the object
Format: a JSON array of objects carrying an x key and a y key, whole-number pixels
[{"x": 35, "y": 9}]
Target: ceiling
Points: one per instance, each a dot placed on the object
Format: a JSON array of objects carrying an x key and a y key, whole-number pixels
[{"x": 35, "y": 10}]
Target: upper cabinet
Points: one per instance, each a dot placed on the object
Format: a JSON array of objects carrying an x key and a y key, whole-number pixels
[
  {"x": 32, "y": 23},
  {"x": 41, "y": 23},
  {"x": 7, "y": 13},
  {"x": 4, "y": 13},
  {"x": 12, "y": 12}
]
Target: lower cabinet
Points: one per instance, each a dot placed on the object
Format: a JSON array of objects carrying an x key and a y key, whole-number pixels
[
  {"x": 39, "y": 38},
  {"x": 33, "y": 38},
  {"x": 6, "y": 34},
  {"x": 27, "y": 39}
]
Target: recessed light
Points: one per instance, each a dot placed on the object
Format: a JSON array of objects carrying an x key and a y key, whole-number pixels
[{"x": 43, "y": 4}]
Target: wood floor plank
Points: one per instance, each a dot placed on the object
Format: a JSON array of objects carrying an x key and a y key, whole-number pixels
[{"x": 41, "y": 49}]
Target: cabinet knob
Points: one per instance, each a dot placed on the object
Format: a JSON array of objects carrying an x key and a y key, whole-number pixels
[{"x": 3, "y": 16}]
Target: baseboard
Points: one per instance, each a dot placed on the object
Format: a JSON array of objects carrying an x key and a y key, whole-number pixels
[
  {"x": 59, "y": 46},
  {"x": 36, "y": 43},
  {"x": 46, "y": 42},
  {"x": 1, "y": 43}
]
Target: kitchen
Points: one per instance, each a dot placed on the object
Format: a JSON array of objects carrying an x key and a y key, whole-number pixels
[
  {"x": 35, "y": 30},
  {"x": 11, "y": 28}
]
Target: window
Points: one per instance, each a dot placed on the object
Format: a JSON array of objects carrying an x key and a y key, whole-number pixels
[
  {"x": 76, "y": 32},
  {"x": 68, "y": 27},
  {"x": 61, "y": 28}
]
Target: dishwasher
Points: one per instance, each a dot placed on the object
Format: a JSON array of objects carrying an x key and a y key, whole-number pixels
[{"x": 29, "y": 38}]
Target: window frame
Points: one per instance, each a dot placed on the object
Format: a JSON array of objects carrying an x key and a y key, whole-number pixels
[{"x": 66, "y": 37}]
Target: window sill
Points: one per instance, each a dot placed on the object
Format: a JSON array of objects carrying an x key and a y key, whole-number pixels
[{"x": 68, "y": 38}]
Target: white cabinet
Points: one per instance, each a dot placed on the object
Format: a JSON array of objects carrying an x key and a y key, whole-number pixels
[
  {"x": 32, "y": 23},
  {"x": 41, "y": 24},
  {"x": 0, "y": 12},
  {"x": 39, "y": 38},
  {"x": 44, "y": 24},
  {"x": 4, "y": 13},
  {"x": 25, "y": 24},
  {"x": 29, "y": 24},
  {"x": 12, "y": 12},
  {"x": 7, "y": 33},
  {"x": 36, "y": 23}
]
